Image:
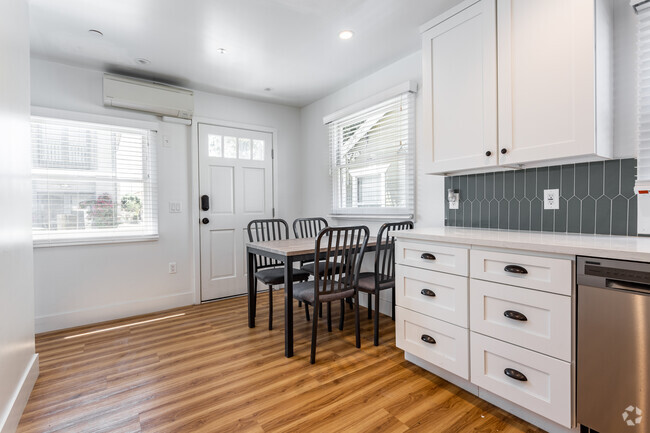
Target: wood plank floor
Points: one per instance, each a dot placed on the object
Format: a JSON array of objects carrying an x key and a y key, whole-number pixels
[{"x": 206, "y": 371}]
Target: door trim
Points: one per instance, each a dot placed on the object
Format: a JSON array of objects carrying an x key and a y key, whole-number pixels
[{"x": 194, "y": 195}]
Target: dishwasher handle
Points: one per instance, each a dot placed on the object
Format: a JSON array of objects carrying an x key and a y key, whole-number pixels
[{"x": 627, "y": 285}]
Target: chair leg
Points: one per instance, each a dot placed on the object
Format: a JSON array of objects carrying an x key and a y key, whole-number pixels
[
  {"x": 341, "y": 319},
  {"x": 377, "y": 318},
  {"x": 255, "y": 299},
  {"x": 314, "y": 330},
  {"x": 369, "y": 306},
  {"x": 329, "y": 317},
  {"x": 300, "y": 303},
  {"x": 350, "y": 303},
  {"x": 356, "y": 319},
  {"x": 307, "y": 311},
  {"x": 270, "y": 307},
  {"x": 320, "y": 310},
  {"x": 393, "y": 304}
]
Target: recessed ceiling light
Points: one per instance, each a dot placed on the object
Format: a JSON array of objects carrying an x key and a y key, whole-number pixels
[
  {"x": 346, "y": 34},
  {"x": 95, "y": 32},
  {"x": 142, "y": 61},
  {"x": 267, "y": 89},
  {"x": 221, "y": 50}
]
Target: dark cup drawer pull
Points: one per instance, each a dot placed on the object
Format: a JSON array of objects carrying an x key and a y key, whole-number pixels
[
  {"x": 428, "y": 292},
  {"x": 428, "y": 339},
  {"x": 515, "y": 269},
  {"x": 515, "y": 315},
  {"x": 427, "y": 256},
  {"x": 516, "y": 375}
]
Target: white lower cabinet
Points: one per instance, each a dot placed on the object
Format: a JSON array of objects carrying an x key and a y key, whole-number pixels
[
  {"x": 534, "y": 381},
  {"x": 440, "y": 343},
  {"x": 501, "y": 320},
  {"x": 529, "y": 318}
]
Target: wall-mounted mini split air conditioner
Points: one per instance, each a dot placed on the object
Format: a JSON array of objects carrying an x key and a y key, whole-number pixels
[{"x": 147, "y": 96}]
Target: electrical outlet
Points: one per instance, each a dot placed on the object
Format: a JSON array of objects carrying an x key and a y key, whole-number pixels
[
  {"x": 172, "y": 267},
  {"x": 175, "y": 207},
  {"x": 551, "y": 199}
]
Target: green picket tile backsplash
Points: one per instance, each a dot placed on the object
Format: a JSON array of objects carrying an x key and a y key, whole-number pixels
[{"x": 595, "y": 197}]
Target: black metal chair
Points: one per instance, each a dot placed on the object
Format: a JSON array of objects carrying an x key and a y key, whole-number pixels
[
  {"x": 383, "y": 278},
  {"x": 309, "y": 228},
  {"x": 270, "y": 271},
  {"x": 345, "y": 247}
]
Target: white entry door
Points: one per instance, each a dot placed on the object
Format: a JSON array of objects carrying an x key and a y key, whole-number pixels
[{"x": 236, "y": 186}]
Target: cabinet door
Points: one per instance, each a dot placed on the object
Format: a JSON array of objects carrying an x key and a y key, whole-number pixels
[
  {"x": 546, "y": 79},
  {"x": 459, "y": 87}
]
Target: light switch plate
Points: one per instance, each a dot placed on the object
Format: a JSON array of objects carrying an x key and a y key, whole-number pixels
[
  {"x": 551, "y": 199},
  {"x": 175, "y": 207}
]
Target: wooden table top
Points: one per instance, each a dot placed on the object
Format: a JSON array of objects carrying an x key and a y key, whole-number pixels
[{"x": 295, "y": 247}]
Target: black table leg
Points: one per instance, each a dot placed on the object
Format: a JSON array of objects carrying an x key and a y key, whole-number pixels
[
  {"x": 251, "y": 289},
  {"x": 288, "y": 307}
]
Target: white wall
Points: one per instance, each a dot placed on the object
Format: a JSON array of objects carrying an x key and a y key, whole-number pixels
[
  {"x": 625, "y": 75},
  {"x": 18, "y": 363},
  {"x": 77, "y": 285}
]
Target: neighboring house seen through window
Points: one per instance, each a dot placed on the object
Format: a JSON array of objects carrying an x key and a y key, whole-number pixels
[
  {"x": 371, "y": 159},
  {"x": 92, "y": 182}
]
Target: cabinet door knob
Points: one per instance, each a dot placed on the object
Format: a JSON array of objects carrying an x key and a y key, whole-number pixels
[
  {"x": 504, "y": 151},
  {"x": 514, "y": 374},
  {"x": 427, "y": 256},
  {"x": 515, "y": 269},
  {"x": 428, "y": 292},
  {"x": 488, "y": 153},
  {"x": 428, "y": 339},
  {"x": 515, "y": 315}
]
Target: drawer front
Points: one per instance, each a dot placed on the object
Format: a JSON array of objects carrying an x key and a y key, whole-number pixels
[
  {"x": 546, "y": 390},
  {"x": 441, "y": 296},
  {"x": 536, "y": 320},
  {"x": 541, "y": 273},
  {"x": 450, "y": 350},
  {"x": 435, "y": 257}
]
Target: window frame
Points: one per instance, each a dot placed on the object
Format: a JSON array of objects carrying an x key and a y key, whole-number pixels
[
  {"x": 151, "y": 187},
  {"x": 379, "y": 168}
]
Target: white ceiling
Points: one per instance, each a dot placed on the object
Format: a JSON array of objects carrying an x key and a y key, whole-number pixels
[{"x": 290, "y": 46}]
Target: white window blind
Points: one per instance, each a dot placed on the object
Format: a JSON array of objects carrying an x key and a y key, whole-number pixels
[
  {"x": 92, "y": 183},
  {"x": 372, "y": 158},
  {"x": 643, "y": 161}
]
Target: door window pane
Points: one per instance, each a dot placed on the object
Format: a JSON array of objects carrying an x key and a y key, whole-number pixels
[
  {"x": 244, "y": 148},
  {"x": 214, "y": 146},
  {"x": 229, "y": 147},
  {"x": 258, "y": 150}
]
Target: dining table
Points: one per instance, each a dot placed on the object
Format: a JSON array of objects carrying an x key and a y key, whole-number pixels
[{"x": 287, "y": 251}]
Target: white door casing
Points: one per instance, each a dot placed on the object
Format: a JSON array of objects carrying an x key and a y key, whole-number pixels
[{"x": 236, "y": 173}]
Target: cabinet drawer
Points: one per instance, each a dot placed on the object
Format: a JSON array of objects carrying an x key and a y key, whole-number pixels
[
  {"x": 441, "y": 296},
  {"x": 541, "y": 273},
  {"x": 450, "y": 350},
  {"x": 546, "y": 389},
  {"x": 536, "y": 320},
  {"x": 432, "y": 256}
]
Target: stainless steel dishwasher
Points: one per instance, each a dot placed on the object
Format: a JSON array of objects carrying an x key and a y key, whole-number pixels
[{"x": 613, "y": 359}]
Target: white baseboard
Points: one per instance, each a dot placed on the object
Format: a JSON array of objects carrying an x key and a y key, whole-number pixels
[
  {"x": 20, "y": 397},
  {"x": 494, "y": 399},
  {"x": 71, "y": 319}
]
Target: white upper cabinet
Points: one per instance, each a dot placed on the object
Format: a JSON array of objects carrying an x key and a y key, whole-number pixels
[
  {"x": 460, "y": 78},
  {"x": 554, "y": 84}
]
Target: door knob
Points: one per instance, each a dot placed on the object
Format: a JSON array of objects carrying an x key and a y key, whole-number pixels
[{"x": 205, "y": 220}]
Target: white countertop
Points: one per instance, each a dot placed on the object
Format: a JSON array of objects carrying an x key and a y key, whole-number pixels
[{"x": 613, "y": 247}]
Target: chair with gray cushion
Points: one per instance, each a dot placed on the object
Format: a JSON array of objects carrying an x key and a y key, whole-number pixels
[
  {"x": 344, "y": 247},
  {"x": 270, "y": 271},
  {"x": 383, "y": 278},
  {"x": 309, "y": 228}
]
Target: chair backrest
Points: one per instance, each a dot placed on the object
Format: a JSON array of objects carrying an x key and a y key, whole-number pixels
[
  {"x": 267, "y": 230},
  {"x": 385, "y": 251},
  {"x": 308, "y": 227},
  {"x": 344, "y": 247}
]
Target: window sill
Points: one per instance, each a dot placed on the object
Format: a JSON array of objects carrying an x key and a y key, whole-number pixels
[
  {"x": 371, "y": 216},
  {"x": 93, "y": 241}
]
